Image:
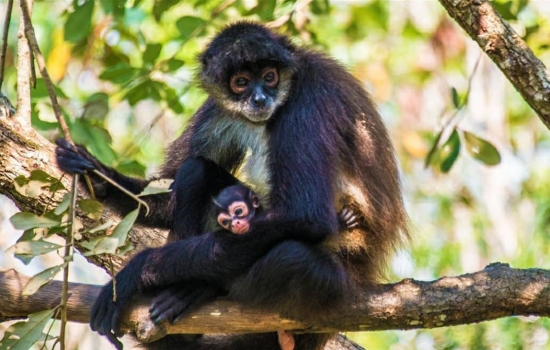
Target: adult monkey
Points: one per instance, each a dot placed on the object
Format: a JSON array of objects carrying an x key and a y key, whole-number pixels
[{"x": 316, "y": 145}]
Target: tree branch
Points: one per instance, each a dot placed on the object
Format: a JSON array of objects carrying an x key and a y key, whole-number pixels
[
  {"x": 497, "y": 291},
  {"x": 23, "y": 150},
  {"x": 506, "y": 48}
]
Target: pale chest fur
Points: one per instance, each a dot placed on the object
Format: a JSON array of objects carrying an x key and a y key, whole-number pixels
[{"x": 251, "y": 139}]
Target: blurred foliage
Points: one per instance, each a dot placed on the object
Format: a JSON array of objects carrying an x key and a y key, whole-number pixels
[{"x": 125, "y": 77}]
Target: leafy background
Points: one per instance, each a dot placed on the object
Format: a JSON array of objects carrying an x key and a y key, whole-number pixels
[{"x": 475, "y": 159}]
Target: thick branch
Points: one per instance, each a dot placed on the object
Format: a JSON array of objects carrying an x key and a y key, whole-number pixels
[
  {"x": 506, "y": 48},
  {"x": 497, "y": 291}
]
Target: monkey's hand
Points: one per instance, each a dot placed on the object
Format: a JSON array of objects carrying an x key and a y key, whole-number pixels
[
  {"x": 173, "y": 303},
  {"x": 347, "y": 219},
  {"x": 74, "y": 161},
  {"x": 106, "y": 314}
]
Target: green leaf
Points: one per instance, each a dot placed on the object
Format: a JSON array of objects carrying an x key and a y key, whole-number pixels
[
  {"x": 432, "y": 154},
  {"x": 115, "y": 7},
  {"x": 449, "y": 152},
  {"x": 100, "y": 245},
  {"x": 505, "y": 9},
  {"x": 320, "y": 7},
  {"x": 151, "y": 53},
  {"x": 456, "y": 100},
  {"x": 64, "y": 205},
  {"x": 22, "y": 335},
  {"x": 172, "y": 65},
  {"x": 121, "y": 230},
  {"x": 41, "y": 279},
  {"x": 265, "y": 9},
  {"x": 34, "y": 185},
  {"x": 101, "y": 227},
  {"x": 162, "y": 6},
  {"x": 92, "y": 208},
  {"x": 131, "y": 167},
  {"x": 26, "y": 221},
  {"x": 120, "y": 73},
  {"x": 79, "y": 23},
  {"x": 187, "y": 26},
  {"x": 41, "y": 91},
  {"x": 96, "y": 139},
  {"x": 481, "y": 150},
  {"x": 157, "y": 186},
  {"x": 121, "y": 251},
  {"x": 33, "y": 248}
]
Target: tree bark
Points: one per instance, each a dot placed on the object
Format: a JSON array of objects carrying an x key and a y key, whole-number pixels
[
  {"x": 23, "y": 150},
  {"x": 497, "y": 291},
  {"x": 506, "y": 48}
]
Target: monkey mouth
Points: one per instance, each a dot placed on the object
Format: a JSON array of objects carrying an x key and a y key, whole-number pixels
[{"x": 241, "y": 230}]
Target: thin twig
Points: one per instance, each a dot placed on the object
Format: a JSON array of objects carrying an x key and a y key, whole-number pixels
[
  {"x": 69, "y": 239},
  {"x": 122, "y": 189},
  {"x": 29, "y": 32},
  {"x": 5, "y": 40}
]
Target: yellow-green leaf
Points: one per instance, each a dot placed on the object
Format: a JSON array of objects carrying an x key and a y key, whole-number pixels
[
  {"x": 481, "y": 150},
  {"x": 92, "y": 208},
  {"x": 41, "y": 279},
  {"x": 22, "y": 335},
  {"x": 25, "y": 221}
]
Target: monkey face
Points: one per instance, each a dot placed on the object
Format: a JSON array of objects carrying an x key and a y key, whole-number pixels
[
  {"x": 254, "y": 93},
  {"x": 237, "y": 218}
]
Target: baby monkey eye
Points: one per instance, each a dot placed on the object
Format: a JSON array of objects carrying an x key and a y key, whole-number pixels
[
  {"x": 225, "y": 223},
  {"x": 239, "y": 211}
]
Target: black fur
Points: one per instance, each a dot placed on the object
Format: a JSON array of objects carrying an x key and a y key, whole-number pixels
[{"x": 324, "y": 148}]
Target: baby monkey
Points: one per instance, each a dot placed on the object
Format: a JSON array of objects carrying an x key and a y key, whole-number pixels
[{"x": 237, "y": 205}]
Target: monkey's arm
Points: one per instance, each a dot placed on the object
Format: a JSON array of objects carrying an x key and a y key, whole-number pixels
[
  {"x": 80, "y": 161},
  {"x": 216, "y": 258}
]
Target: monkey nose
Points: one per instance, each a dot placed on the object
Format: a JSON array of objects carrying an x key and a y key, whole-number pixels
[{"x": 259, "y": 100}]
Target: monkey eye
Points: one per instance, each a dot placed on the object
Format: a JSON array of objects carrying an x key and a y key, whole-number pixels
[
  {"x": 239, "y": 82},
  {"x": 238, "y": 209},
  {"x": 270, "y": 77},
  {"x": 224, "y": 220}
]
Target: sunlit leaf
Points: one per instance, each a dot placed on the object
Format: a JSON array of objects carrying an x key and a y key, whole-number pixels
[
  {"x": 64, "y": 205},
  {"x": 120, "y": 73},
  {"x": 22, "y": 335},
  {"x": 101, "y": 227},
  {"x": 431, "y": 157},
  {"x": 157, "y": 186},
  {"x": 121, "y": 230},
  {"x": 33, "y": 248},
  {"x": 41, "y": 279},
  {"x": 25, "y": 221},
  {"x": 151, "y": 53},
  {"x": 121, "y": 251},
  {"x": 162, "y": 6},
  {"x": 131, "y": 167},
  {"x": 449, "y": 152},
  {"x": 79, "y": 23},
  {"x": 187, "y": 25},
  {"x": 100, "y": 245},
  {"x": 481, "y": 150},
  {"x": 92, "y": 208},
  {"x": 505, "y": 9},
  {"x": 456, "y": 100}
]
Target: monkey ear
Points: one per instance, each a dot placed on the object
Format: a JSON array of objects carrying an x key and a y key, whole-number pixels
[{"x": 255, "y": 202}]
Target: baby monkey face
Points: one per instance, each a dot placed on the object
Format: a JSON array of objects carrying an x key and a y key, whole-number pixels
[{"x": 237, "y": 218}]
